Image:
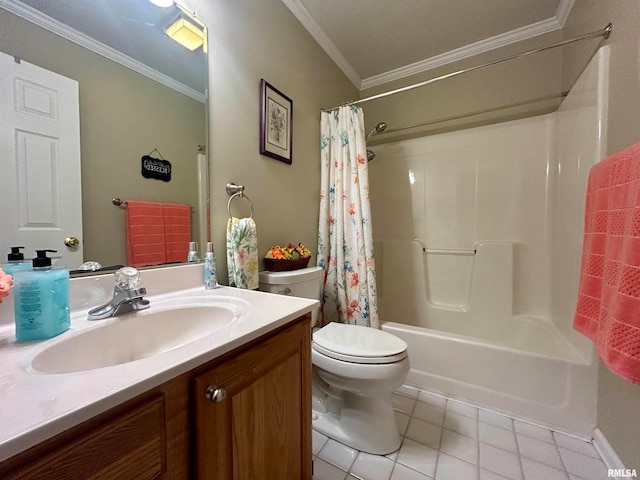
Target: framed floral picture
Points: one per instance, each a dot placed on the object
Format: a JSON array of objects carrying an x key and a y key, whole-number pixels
[{"x": 276, "y": 123}]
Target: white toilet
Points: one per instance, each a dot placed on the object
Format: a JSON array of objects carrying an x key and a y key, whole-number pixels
[{"x": 355, "y": 371}]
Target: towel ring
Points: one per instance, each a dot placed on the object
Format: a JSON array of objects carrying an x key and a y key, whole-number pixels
[{"x": 241, "y": 195}]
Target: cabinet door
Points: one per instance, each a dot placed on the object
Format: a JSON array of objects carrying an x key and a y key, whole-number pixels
[
  {"x": 258, "y": 424},
  {"x": 130, "y": 445}
]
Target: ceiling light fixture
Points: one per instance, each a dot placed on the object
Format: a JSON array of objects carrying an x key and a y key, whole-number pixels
[
  {"x": 162, "y": 3},
  {"x": 186, "y": 32}
]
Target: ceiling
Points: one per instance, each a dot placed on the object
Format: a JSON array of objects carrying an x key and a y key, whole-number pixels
[
  {"x": 372, "y": 41},
  {"x": 134, "y": 29},
  {"x": 377, "y": 41}
]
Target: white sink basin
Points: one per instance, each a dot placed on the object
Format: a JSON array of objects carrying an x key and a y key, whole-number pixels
[{"x": 165, "y": 326}]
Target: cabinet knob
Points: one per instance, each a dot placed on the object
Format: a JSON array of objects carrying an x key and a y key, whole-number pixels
[{"x": 215, "y": 394}]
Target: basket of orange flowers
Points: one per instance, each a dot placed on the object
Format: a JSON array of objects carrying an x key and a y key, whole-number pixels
[{"x": 281, "y": 259}]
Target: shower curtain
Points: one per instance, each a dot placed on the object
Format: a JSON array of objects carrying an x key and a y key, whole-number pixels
[{"x": 345, "y": 241}]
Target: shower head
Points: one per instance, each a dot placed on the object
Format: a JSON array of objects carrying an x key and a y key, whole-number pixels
[
  {"x": 379, "y": 128},
  {"x": 370, "y": 155}
]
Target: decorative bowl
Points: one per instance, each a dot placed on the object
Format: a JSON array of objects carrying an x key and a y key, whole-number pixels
[{"x": 282, "y": 265}]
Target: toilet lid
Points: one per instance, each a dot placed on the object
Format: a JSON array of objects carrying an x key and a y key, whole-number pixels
[{"x": 359, "y": 344}]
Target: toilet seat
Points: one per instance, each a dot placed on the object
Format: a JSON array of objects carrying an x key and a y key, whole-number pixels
[{"x": 358, "y": 344}]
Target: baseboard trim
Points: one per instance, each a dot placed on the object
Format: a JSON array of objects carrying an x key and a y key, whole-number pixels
[{"x": 606, "y": 451}]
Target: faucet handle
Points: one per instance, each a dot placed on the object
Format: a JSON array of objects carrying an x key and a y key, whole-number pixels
[
  {"x": 127, "y": 278},
  {"x": 137, "y": 293}
]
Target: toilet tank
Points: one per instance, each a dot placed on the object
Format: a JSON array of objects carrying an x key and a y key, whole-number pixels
[{"x": 305, "y": 283}]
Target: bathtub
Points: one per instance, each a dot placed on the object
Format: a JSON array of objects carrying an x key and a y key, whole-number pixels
[
  {"x": 465, "y": 342},
  {"x": 525, "y": 368}
]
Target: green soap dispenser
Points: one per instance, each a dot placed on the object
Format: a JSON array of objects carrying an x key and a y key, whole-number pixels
[
  {"x": 15, "y": 261},
  {"x": 41, "y": 304}
]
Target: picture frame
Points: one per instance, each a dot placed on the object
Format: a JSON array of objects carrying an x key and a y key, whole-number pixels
[{"x": 276, "y": 123}]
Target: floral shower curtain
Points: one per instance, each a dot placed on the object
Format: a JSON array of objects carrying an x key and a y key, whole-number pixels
[{"x": 345, "y": 241}]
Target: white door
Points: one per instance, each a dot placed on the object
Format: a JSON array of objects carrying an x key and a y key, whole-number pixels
[{"x": 40, "y": 187}]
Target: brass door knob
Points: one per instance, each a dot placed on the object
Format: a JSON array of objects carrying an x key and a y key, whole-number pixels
[
  {"x": 215, "y": 394},
  {"x": 71, "y": 242}
]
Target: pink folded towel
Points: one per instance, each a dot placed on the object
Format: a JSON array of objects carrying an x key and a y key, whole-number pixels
[
  {"x": 608, "y": 309},
  {"x": 177, "y": 231},
  {"x": 145, "y": 233},
  {"x": 157, "y": 232}
]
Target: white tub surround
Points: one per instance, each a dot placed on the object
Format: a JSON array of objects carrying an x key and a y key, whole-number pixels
[
  {"x": 543, "y": 387},
  {"x": 37, "y": 406},
  {"x": 478, "y": 243},
  {"x": 446, "y": 285}
]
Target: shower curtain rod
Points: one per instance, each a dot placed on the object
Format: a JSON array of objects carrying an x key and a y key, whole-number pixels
[
  {"x": 605, "y": 32},
  {"x": 474, "y": 113}
]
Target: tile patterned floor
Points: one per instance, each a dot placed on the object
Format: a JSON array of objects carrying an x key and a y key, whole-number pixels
[{"x": 444, "y": 439}]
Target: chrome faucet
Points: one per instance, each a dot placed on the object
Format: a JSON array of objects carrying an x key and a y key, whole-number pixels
[{"x": 126, "y": 297}]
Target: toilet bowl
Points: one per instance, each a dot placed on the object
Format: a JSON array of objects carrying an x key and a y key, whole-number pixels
[{"x": 356, "y": 369}]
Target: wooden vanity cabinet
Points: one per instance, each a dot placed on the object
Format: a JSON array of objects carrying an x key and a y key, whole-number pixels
[
  {"x": 252, "y": 413},
  {"x": 130, "y": 444},
  {"x": 243, "y": 416}
]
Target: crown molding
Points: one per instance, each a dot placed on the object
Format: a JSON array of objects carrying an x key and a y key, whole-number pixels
[
  {"x": 492, "y": 43},
  {"x": 498, "y": 41},
  {"x": 48, "y": 23},
  {"x": 564, "y": 8},
  {"x": 302, "y": 14}
]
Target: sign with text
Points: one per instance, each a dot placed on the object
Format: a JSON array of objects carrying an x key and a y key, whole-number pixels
[{"x": 156, "y": 168}]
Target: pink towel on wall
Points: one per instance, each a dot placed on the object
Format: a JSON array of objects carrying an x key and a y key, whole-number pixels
[
  {"x": 177, "y": 231},
  {"x": 608, "y": 310},
  {"x": 157, "y": 232},
  {"x": 145, "y": 233}
]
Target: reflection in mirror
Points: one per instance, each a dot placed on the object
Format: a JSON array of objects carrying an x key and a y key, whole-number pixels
[{"x": 139, "y": 94}]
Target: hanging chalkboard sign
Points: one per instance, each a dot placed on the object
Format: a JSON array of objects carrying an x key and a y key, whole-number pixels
[{"x": 156, "y": 168}]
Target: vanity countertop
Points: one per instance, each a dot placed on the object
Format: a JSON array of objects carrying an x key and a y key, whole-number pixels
[{"x": 36, "y": 406}]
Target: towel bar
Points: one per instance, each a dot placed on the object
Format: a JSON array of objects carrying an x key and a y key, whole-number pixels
[
  {"x": 449, "y": 251},
  {"x": 233, "y": 188},
  {"x": 118, "y": 202},
  {"x": 444, "y": 251},
  {"x": 241, "y": 195}
]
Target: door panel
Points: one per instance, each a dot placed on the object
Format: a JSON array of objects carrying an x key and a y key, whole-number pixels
[{"x": 40, "y": 179}]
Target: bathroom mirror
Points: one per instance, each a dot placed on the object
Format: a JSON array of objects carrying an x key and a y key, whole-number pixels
[{"x": 140, "y": 94}]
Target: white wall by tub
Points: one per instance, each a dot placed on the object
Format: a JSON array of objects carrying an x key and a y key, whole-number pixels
[
  {"x": 579, "y": 144},
  {"x": 520, "y": 182},
  {"x": 459, "y": 188}
]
